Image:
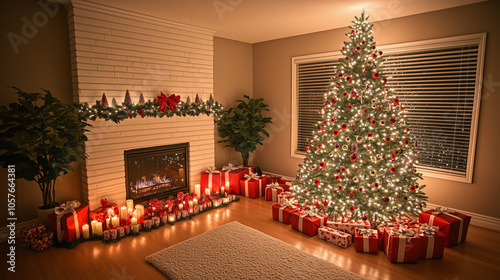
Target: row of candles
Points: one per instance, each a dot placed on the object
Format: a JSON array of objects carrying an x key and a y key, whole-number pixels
[{"x": 96, "y": 227}]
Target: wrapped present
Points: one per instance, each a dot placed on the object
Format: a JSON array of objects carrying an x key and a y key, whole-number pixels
[
  {"x": 282, "y": 212},
  {"x": 283, "y": 196},
  {"x": 271, "y": 179},
  {"x": 211, "y": 178},
  {"x": 272, "y": 191},
  {"x": 252, "y": 185},
  {"x": 233, "y": 175},
  {"x": 106, "y": 210},
  {"x": 366, "y": 240},
  {"x": 334, "y": 236},
  {"x": 403, "y": 245},
  {"x": 68, "y": 219},
  {"x": 285, "y": 184},
  {"x": 454, "y": 225},
  {"x": 431, "y": 242},
  {"x": 308, "y": 222},
  {"x": 348, "y": 226},
  {"x": 30, "y": 233},
  {"x": 43, "y": 241}
]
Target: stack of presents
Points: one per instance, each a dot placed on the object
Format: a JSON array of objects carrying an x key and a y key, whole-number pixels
[{"x": 403, "y": 241}]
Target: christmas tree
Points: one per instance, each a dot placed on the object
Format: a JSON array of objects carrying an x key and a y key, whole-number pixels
[{"x": 360, "y": 160}]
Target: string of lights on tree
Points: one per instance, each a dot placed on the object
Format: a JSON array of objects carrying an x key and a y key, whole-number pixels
[
  {"x": 360, "y": 160},
  {"x": 162, "y": 106}
]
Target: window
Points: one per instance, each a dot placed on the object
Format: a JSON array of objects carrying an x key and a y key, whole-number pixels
[{"x": 439, "y": 84}]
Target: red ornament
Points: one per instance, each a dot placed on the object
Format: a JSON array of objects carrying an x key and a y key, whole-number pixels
[
  {"x": 341, "y": 75},
  {"x": 353, "y": 208},
  {"x": 343, "y": 169},
  {"x": 339, "y": 188},
  {"x": 354, "y": 157},
  {"x": 346, "y": 58},
  {"x": 343, "y": 126},
  {"x": 337, "y": 146},
  {"x": 373, "y": 122},
  {"x": 405, "y": 198},
  {"x": 360, "y": 189},
  {"x": 351, "y": 194},
  {"x": 332, "y": 119},
  {"x": 405, "y": 142},
  {"x": 380, "y": 53},
  {"x": 375, "y": 185},
  {"x": 337, "y": 178},
  {"x": 345, "y": 94},
  {"x": 140, "y": 112},
  {"x": 370, "y": 135},
  {"x": 386, "y": 200},
  {"x": 392, "y": 120},
  {"x": 374, "y": 55},
  {"x": 387, "y": 139},
  {"x": 393, "y": 169},
  {"x": 375, "y": 75},
  {"x": 378, "y": 108},
  {"x": 317, "y": 182},
  {"x": 320, "y": 146},
  {"x": 130, "y": 113},
  {"x": 363, "y": 42},
  {"x": 415, "y": 144},
  {"x": 349, "y": 107},
  {"x": 395, "y": 153},
  {"x": 320, "y": 127},
  {"x": 384, "y": 81},
  {"x": 364, "y": 70},
  {"x": 358, "y": 48},
  {"x": 307, "y": 149},
  {"x": 334, "y": 100},
  {"x": 373, "y": 47},
  {"x": 338, "y": 84},
  {"x": 343, "y": 48},
  {"x": 322, "y": 164},
  {"x": 317, "y": 204},
  {"x": 412, "y": 188},
  {"x": 335, "y": 133},
  {"x": 352, "y": 31},
  {"x": 325, "y": 203},
  {"x": 396, "y": 100},
  {"x": 407, "y": 130},
  {"x": 325, "y": 122},
  {"x": 348, "y": 79}
]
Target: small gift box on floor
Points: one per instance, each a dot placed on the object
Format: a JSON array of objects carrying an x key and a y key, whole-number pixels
[
  {"x": 402, "y": 245},
  {"x": 366, "y": 240},
  {"x": 252, "y": 185},
  {"x": 233, "y": 175},
  {"x": 210, "y": 178},
  {"x": 106, "y": 210},
  {"x": 272, "y": 191},
  {"x": 68, "y": 219},
  {"x": 348, "y": 226},
  {"x": 282, "y": 212},
  {"x": 44, "y": 241},
  {"x": 431, "y": 242},
  {"x": 283, "y": 196},
  {"x": 334, "y": 236},
  {"x": 454, "y": 225},
  {"x": 308, "y": 222},
  {"x": 30, "y": 233},
  {"x": 285, "y": 184}
]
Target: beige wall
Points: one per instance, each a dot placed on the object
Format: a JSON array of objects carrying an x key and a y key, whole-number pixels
[
  {"x": 44, "y": 62},
  {"x": 232, "y": 80},
  {"x": 272, "y": 80}
]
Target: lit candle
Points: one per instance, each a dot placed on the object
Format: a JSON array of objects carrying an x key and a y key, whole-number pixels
[
  {"x": 225, "y": 200},
  {"x": 222, "y": 190},
  {"x": 134, "y": 215},
  {"x": 130, "y": 203},
  {"x": 93, "y": 224},
  {"x": 115, "y": 221},
  {"x": 195, "y": 201},
  {"x": 98, "y": 228},
  {"x": 140, "y": 210},
  {"x": 197, "y": 189},
  {"x": 108, "y": 222},
  {"x": 85, "y": 229},
  {"x": 123, "y": 212},
  {"x": 171, "y": 217},
  {"x": 190, "y": 203},
  {"x": 133, "y": 221},
  {"x": 130, "y": 211},
  {"x": 181, "y": 206},
  {"x": 207, "y": 191}
]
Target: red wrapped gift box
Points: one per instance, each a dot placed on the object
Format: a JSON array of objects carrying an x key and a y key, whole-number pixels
[
  {"x": 30, "y": 233},
  {"x": 101, "y": 213},
  {"x": 285, "y": 184},
  {"x": 454, "y": 225},
  {"x": 366, "y": 240},
  {"x": 334, "y": 236},
  {"x": 253, "y": 185},
  {"x": 431, "y": 242},
  {"x": 233, "y": 175},
  {"x": 402, "y": 245},
  {"x": 308, "y": 222},
  {"x": 272, "y": 192},
  {"x": 210, "y": 178},
  {"x": 44, "y": 241},
  {"x": 282, "y": 212},
  {"x": 73, "y": 216}
]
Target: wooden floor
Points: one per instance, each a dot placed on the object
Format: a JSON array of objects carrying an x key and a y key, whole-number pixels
[{"x": 477, "y": 258}]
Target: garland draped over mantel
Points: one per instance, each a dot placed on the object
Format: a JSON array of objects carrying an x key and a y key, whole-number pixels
[{"x": 161, "y": 107}]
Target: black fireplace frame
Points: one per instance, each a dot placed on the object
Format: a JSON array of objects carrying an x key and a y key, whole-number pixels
[{"x": 156, "y": 151}]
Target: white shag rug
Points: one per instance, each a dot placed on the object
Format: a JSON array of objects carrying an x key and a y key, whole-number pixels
[{"x": 236, "y": 251}]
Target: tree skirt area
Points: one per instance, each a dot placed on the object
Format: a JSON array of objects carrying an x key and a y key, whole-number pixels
[{"x": 236, "y": 251}]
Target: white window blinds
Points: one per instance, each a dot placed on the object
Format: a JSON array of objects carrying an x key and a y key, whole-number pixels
[{"x": 438, "y": 83}]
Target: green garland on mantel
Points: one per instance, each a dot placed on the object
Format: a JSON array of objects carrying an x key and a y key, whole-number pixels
[{"x": 147, "y": 109}]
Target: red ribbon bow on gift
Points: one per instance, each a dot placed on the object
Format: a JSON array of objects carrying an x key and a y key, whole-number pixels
[
  {"x": 170, "y": 101},
  {"x": 104, "y": 202}
]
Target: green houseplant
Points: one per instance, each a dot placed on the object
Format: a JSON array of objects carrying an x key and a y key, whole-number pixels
[
  {"x": 41, "y": 136},
  {"x": 243, "y": 127}
]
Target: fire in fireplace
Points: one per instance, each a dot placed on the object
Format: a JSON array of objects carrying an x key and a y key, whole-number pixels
[{"x": 156, "y": 172}]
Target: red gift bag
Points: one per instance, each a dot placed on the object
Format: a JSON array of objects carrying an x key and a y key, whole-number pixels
[
  {"x": 366, "y": 240},
  {"x": 454, "y": 225},
  {"x": 67, "y": 220}
]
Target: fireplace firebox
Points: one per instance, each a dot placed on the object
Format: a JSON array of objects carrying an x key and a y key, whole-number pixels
[{"x": 156, "y": 172}]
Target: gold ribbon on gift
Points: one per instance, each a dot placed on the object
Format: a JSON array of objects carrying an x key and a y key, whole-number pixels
[
  {"x": 211, "y": 170},
  {"x": 430, "y": 231},
  {"x": 68, "y": 207},
  {"x": 274, "y": 187},
  {"x": 252, "y": 176},
  {"x": 310, "y": 213},
  {"x": 442, "y": 210}
]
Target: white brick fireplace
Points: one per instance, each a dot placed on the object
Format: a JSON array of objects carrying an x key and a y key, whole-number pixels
[{"x": 113, "y": 50}]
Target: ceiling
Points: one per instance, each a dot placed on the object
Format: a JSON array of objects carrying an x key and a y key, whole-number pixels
[{"x": 254, "y": 21}]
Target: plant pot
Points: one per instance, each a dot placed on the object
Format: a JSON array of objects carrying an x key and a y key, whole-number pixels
[{"x": 43, "y": 215}]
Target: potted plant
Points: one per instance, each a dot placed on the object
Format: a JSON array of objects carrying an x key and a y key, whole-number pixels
[
  {"x": 243, "y": 127},
  {"x": 41, "y": 137}
]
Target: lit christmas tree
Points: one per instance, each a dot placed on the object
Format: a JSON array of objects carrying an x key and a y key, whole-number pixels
[{"x": 360, "y": 160}]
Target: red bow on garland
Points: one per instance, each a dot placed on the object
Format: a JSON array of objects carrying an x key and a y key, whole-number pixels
[{"x": 170, "y": 101}]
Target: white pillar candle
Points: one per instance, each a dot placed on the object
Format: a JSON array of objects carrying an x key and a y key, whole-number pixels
[
  {"x": 222, "y": 190},
  {"x": 140, "y": 210},
  {"x": 98, "y": 228},
  {"x": 85, "y": 229},
  {"x": 133, "y": 221},
  {"x": 195, "y": 201},
  {"x": 207, "y": 191},
  {"x": 130, "y": 203},
  {"x": 181, "y": 206},
  {"x": 225, "y": 200},
  {"x": 115, "y": 221},
  {"x": 123, "y": 212},
  {"x": 93, "y": 224},
  {"x": 135, "y": 215},
  {"x": 130, "y": 211},
  {"x": 171, "y": 217},
  {"x": 190, "y": 203},
  {"x": 197, "y": 188},
  {"x": 108, "y": 222}
]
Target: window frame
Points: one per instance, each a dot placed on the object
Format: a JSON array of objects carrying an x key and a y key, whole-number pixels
[{"x": 427, "y": 45}]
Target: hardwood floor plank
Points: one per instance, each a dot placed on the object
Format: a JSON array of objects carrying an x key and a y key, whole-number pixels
[{"x": 477, "y": 258}]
